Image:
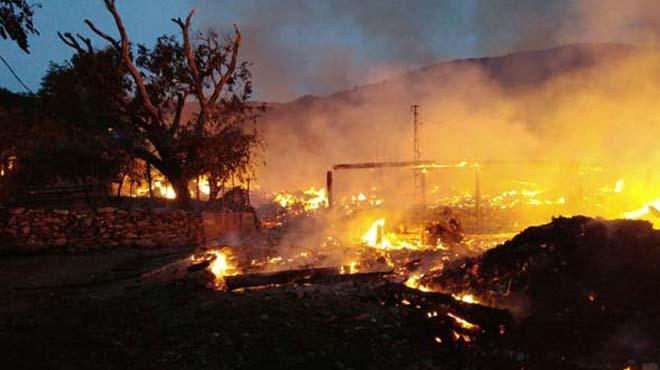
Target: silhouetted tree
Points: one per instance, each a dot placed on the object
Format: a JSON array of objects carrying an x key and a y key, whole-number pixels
[
  {"x": 16, "y": 139},
  {"x": 227, "y": 155},
  {"x": 203, "y": 72},
  {"x": 16, "y": 21},
  {"x": 85, "y": 116},
  {"x": 67, "y": 132}
]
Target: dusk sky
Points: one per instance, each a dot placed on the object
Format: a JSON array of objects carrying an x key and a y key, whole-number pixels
[{"x": 302, "y": 47}]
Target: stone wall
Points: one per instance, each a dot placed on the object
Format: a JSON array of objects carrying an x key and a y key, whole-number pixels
[
  {"x": 222, "y": 225},
  {"x": 102, "y": 227}
]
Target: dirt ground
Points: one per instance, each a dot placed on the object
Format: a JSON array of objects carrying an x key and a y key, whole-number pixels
[
  {"x": 582, "y": 295},
  {"x": 90, "y": 311}
]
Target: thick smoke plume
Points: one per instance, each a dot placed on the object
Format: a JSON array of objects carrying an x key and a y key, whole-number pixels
[
  {"x": 576, "y": 116},
  {"x": 591, "y": 110},
  {"x": 318, "y": 47}
]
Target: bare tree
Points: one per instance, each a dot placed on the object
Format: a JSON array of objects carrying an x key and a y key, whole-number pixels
[{"x": 203, "y": 71}]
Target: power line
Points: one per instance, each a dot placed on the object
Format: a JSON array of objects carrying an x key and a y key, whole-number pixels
[{"x": 15, "y": 75}]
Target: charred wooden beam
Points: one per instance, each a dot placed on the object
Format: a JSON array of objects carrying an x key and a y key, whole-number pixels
[
  {"x": 326, "y": 275},
  {"x": 367, "y": 165},
  {"x": 433, "y": 165},
  {"x": 328, "y": 183},
  {"x": 487, "y": 318}
]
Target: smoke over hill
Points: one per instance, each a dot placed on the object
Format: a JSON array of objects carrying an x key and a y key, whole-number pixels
[{"x": 584, "y": 103}]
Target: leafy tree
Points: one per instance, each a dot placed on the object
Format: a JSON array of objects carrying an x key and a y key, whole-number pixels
[
  {"x": 16, "y": 21},
  {"x": 17, "y": 117},
  {"x": 202, "y": 72},
  {"x": 65, "y": 133},
  {"x": 225, "y": 156},
  {"x": 85, "y": 117}
]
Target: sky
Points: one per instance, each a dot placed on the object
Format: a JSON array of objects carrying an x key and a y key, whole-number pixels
[{"x": 299, "y": 47}]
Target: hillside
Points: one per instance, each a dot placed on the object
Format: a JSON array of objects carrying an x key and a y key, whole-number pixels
[
  {"x": 512, "y": 72},
  {"x": 458, "y": 99}
]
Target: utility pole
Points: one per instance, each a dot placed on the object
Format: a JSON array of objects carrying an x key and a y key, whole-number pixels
[
  {"x": 477, "y": 197},
  {"x": 420, "y": 176},
  {"x": 416, "y": 152}
]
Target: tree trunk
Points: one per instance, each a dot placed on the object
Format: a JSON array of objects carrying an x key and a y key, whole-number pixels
[
  {"x": 214, "y": 188},
  {"x": 121, "y": 184},
  {"x": 197, "y": 187},
  {"x": 149, "y": 180},
  {"x": 180, "y": 186},
  {"x": 179, "y": 182}
]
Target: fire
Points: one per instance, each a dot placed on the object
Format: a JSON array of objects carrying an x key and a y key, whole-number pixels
[
  {"x": 467, "y": 298},
  {"x": 315, "y": 199},
  {"x": 353, "y": 203},
  {"x": 351, "y": 268},
  {"x": 511, "y": 198},
  {"x": 618, "y": 187},
  {"x": 414, "y": 281},
  {"x": 376, "y": 237},
  {"x": 309, "y": 199},
  {"x": 284, "y": 200},
  {"x": 649, "y": 209},
  {"x": 462, "y": 322},
  {"x": 221, "y": 265}
]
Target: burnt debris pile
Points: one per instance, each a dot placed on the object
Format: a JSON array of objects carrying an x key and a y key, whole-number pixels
[{"x": 581, "y": 289}]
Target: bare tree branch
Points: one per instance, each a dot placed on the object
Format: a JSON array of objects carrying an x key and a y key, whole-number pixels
[
  {"x": 87, "y": 41},
  {"x": 139, "y": 81},
  {"x": 180, "y": 104},
  {"x": 102, "y": 34},
  {"x": 149, "y": 157},
  {"x": 190, "y": 54},
  {"x": 69, "y": 40},
  {"x": 194, "y": 69},
  {"x": 230, "y": 68}
]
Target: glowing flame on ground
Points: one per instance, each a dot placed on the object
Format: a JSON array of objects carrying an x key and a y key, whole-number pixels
[
  {"x": 284, "y": 200},
  {"x": 164, "y": 189},
  {"x": 221, "y": 265},
  {"x": 649, "y": 209},
  {"x": 462, "y": 322},
  {"x": 618, "y": 187},
  {"x": 376, "y": 237},
  {"x": 309, "y": 199},
  {"x": 414, "y": 282},
  {"x": 315, "y": 199},
  {"x": 467, "y": 298},
  {"x": 351, "y": 268}
]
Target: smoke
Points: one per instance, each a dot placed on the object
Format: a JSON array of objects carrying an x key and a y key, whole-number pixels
[
  {"x": 634, "y": 21},
  {"x": 570, "y": 120},
  {"x": 584, "y": 104},
  {"x": 300, "y": 47},
  {"x": 522, "y": 24}
]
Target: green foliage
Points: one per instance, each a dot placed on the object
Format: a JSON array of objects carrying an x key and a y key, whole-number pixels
[
  {"x": 66, "y": 133},
  {"x": 90, "y": 121}
]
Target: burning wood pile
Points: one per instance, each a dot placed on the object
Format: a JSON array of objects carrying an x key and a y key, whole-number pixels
[{"x": 575, "y": 293}]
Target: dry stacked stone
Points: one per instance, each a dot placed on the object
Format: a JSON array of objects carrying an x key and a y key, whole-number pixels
[{"x": 102, "y": 227}]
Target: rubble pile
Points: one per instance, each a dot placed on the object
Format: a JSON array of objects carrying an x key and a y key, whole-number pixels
[{"x": 584, "y": 290}]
